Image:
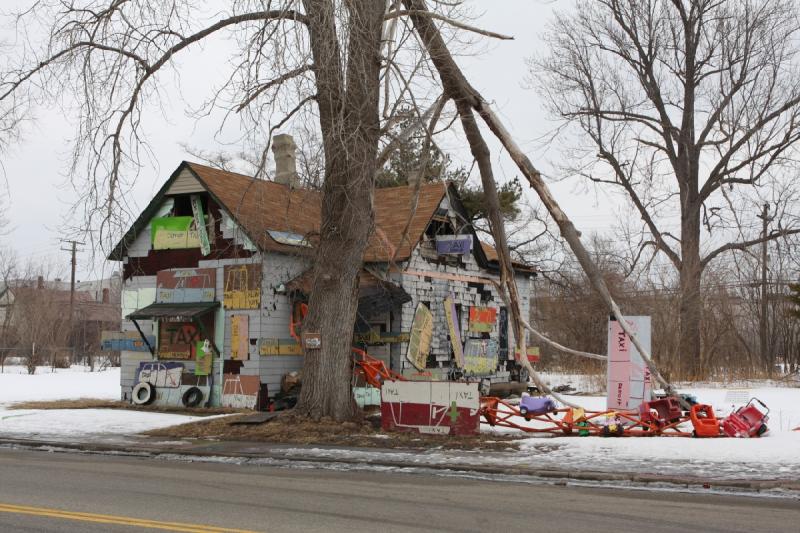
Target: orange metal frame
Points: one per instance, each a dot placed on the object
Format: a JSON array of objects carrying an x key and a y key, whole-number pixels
[{"x": 500, "y": 413}]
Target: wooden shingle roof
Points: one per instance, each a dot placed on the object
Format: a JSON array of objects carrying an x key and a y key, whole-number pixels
[{"x": 260, "y": 206}]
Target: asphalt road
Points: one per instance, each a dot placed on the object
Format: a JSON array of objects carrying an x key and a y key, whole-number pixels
[{"x": 42, "y": 491}]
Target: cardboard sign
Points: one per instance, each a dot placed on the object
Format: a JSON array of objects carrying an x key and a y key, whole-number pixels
[
  {"x": 419, "y": 345},
  {"x": 628, "y": 376},
  {"x": 177, "y": 340},
  {"x": 482, "y": 319},
  {"x": 312, "y": 341},
  {"x": 480, "y": 356},
  {"x": 452, "y": 327},
  {"x": 242, "y": 286},
  {"x": 239, "y": 337},
  {"x": 240, "y": 391},
  {"x": 453, "y": 244},
  {"x": 437, "y": 407},
  {"x": 129, "y": 341},
  {"x": 204, "y": 358},
  {"x": 173, "y": 233},
  {"x": 186, "y": 285},
  {"x": 271, "y": 346},
  {"x": 533, "y": 354},
  {"x": 160, "y": 374}
]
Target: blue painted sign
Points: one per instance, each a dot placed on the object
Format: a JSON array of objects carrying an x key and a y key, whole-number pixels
[{"x": 453, "y": 244}]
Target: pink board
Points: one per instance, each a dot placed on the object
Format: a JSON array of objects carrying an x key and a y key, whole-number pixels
[
  {"x": 434, "y": 407},
  {"x": 628, "y": 376}
]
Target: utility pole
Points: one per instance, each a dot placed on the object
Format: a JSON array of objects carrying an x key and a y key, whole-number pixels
[
  {"x": 73, "y": 250},
  {"x": 763, "y": 325}
]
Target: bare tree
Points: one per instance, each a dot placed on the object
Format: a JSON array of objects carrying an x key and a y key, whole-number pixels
[
  {"x": 678, "y": 104},
  {"x": 347, "y": 64}
]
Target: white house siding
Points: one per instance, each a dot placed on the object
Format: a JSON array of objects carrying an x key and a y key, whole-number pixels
[
  {"x": 142, "y": 245},
  {"x": 275, "y": 312},
  {"x": 185, "y": 183},
  {"x": 137, "y": 292}
]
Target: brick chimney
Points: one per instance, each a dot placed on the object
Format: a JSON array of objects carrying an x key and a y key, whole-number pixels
[
  {"x": 40, "y": 282},
  {"x": 284, "y": 149}
]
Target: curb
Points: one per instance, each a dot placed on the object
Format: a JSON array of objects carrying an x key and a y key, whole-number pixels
[{"x": 557, "y": 476}]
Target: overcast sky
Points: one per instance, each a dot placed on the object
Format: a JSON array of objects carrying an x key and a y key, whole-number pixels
[{"x": 40, "y": 199}]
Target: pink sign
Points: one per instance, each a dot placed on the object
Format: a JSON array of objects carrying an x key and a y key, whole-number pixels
[{"x": 628, "y": 376}]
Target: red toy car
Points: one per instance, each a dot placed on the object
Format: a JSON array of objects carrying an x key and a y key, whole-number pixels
[{"x": 747, "y": 421}]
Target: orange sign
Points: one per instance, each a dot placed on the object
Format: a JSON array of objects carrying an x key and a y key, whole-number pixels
[{"x": 482, "y": 319}]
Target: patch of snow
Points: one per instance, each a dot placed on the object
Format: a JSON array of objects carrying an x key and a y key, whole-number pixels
[
  {"x": 68, "y": 424},
  {"x": 57, "y": 424},
  {"x": 63, "y": 384}
]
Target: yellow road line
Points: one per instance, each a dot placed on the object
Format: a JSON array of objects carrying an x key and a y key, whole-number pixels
[{"x": 112, "y": 519}]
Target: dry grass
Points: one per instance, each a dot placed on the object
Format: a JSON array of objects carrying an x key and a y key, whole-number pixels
[
  {"x": 289, "y": 428},
  {"x": 90, "y": 403}
]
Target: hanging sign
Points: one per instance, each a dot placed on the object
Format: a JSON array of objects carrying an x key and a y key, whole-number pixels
[
  {"x": 272, "y": 346},
  {"x": 482, "y": 319},
  {"x": 480, "y": 356},
  {"x": 204, "y": 358},
  {"x": 176, "y": 340},
  {"x": 200, "y": 224},
  {"x": 453, "y": 244},
  {"x": 419, "y": 344},
  {"x": 533, "y": 354},
  {"x": 239, "y": 337},
  {"x": 185, "y": 285},
  {"x": 172, "y": 233},
  {"x": 242, "y": 286},
  {"x": 452, "y": 327}
]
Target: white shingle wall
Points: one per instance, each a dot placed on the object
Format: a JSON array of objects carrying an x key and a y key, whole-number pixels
[
  {"x": 271, "y": 320},
  {"x": 129, "y": 361},
  {"x": 141, "y": 246},
  {"x": 436, "y": 290}
]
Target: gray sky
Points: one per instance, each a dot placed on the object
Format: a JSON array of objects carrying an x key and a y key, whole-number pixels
[{"x": 40, "y": 199}]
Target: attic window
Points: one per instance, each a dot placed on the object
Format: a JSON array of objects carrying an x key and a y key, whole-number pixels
[
  {"x": 182, "y": 206},
  {"x": 289, "y": 238}
]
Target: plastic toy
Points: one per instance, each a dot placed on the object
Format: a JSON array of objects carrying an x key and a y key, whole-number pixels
[
  {"x": 704, "y": 422},
  {"x": 747, "y": 421},
  {"x": 535, "y": 405}
]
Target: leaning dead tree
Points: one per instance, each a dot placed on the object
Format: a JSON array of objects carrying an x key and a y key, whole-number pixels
[
  {"x": 469, "y": 102},
  {"x": 686, "y": 107}
]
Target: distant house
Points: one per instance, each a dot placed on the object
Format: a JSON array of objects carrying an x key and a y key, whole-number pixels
[
  {"x": 226, "y": 258},
  {"x": 38, "y": 312}
]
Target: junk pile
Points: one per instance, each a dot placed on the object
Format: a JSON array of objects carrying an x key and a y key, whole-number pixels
[{"x": 659, "y": 417}]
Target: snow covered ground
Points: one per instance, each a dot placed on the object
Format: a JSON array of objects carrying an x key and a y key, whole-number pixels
[
  {"x": 775, "y": 456},
  {"x": 70, "y": 424}
]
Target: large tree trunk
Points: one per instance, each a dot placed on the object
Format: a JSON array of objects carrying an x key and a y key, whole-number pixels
[
  {"x": 690, "y": 311},
  {"x": 349, "y": 120}
]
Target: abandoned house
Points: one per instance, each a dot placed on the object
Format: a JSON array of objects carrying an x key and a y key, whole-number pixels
[{"x": 216, "y": 270}]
